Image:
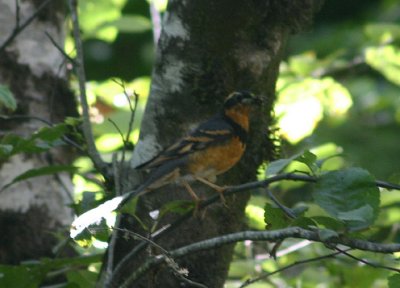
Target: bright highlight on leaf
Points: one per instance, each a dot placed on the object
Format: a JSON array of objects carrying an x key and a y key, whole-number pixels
[
  {"x": 386, "y": 60},
  {"x": 302, "y": 104}
]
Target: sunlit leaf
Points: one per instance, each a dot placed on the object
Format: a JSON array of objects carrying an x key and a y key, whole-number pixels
[
  {"x": 302, "y": 104},
  {"x": 255, "y": 216},
  {"x": 349, "y": 195},
  {"x": 7, "y": 99},
  {"x": 386, "y": 60}
]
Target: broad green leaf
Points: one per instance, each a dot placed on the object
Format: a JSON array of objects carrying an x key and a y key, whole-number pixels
[
  {"x": 349, "y": 195},
  {"x": 275, "y": 218},
  {"x": 394, "y": 281},
  {"x": 304, "y": 222},
  {"x": 309, "y": 159},
  {"x": 329, "y": 223},
  {"x": 386, "y": 60},
  {"x": 20, "y": 276},
  {"x": 7, "y": 99},
  {"x": 305, "y": 157},
  {"x": 48, "y": 170},
  {"x": 82, "y": 278}
]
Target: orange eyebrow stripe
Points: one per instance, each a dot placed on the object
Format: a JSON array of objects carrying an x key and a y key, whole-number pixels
[
  {"x": 185, "y": 148},
  {"x": 198, "y": 139},
  {"x": 216, "y": 132}
]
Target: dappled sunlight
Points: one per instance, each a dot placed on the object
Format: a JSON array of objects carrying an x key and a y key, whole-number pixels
[{"x": 303, "y": 103}]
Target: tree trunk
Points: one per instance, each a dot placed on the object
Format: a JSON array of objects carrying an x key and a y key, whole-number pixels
[
  {"x": 208, "y": 49},
  {"x": 33, "y": 69}
]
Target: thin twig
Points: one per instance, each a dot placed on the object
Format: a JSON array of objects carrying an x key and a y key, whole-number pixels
[
  {"x": 297, "y": 263},
  {"x": 60, "y": 49},
  {"x": 93, "y": 153},
  {"x": 286, "y": 210},
  {"x": 375, "y": 265},
  {"x": 20, "y": 27}
]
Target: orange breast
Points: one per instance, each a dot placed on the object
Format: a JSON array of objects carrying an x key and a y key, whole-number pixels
[{"x": 216, "y": 160}]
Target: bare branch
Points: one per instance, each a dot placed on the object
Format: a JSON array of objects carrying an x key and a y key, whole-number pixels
[
  {"x": 229, "y": 191},
  {"x": 276, "y": 235},
  {"x": 375, "y": 265},
  {"x": 93, "y": 153}
]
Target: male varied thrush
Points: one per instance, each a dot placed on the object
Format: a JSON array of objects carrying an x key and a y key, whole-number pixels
[{"x": 211, "y": 149}]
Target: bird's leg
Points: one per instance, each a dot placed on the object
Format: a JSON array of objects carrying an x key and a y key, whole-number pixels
[
  {"x": 216, "y": 187},
  {"x": 196, "y": 198}
]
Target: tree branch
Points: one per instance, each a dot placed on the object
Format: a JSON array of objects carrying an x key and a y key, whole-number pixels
[
  {"x": 292, "y": 232},
  {"x": 229, "y": 191},
  {"x": 94, "y": 155}
]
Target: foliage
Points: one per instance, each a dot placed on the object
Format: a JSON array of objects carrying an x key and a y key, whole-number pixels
[{"x": 338, "y": 109}]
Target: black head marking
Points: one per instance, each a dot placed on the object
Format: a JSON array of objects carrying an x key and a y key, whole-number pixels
[{"x": 240, "y": 97}]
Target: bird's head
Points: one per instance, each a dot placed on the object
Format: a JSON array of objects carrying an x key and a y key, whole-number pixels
[
  {"x": 238, "y": 104},
  {"x": 241, "y": 99}
]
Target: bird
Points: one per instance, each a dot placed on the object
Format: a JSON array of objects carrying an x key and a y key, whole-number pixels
[{"x": 209, "y": 150}]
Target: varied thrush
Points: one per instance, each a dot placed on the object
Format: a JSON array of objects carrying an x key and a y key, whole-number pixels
[{"x": 212, "y": 148}]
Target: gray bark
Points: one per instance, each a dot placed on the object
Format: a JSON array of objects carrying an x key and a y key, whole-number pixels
[
  {"x": 32, "y": 67},
  {"x": 208, "y": 49}
]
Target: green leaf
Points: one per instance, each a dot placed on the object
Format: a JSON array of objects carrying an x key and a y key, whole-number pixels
[
  {"x": 327, "y": 234},
  {"x": 7, "y": 99},
  {"x": 306, "y": 157},
  {"x": 386, "y": 60},
  {"x": 275, "y": 218},
  {"x": 394, "y": 281},
  {"x": 179, "y": 206},
  {"x": 20, "y": 276},
  {"x": 329, "y": 223},
  {"x": 83, "y": 278},
  {"x": 50, "y": 134},
  {"x": 309, "y": 159},
  {"x": 349, "y": 195},
  {"x": 48, "y": 170}
]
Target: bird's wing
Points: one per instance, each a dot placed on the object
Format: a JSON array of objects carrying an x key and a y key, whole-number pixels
[{"x": 213, "y": 132}]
